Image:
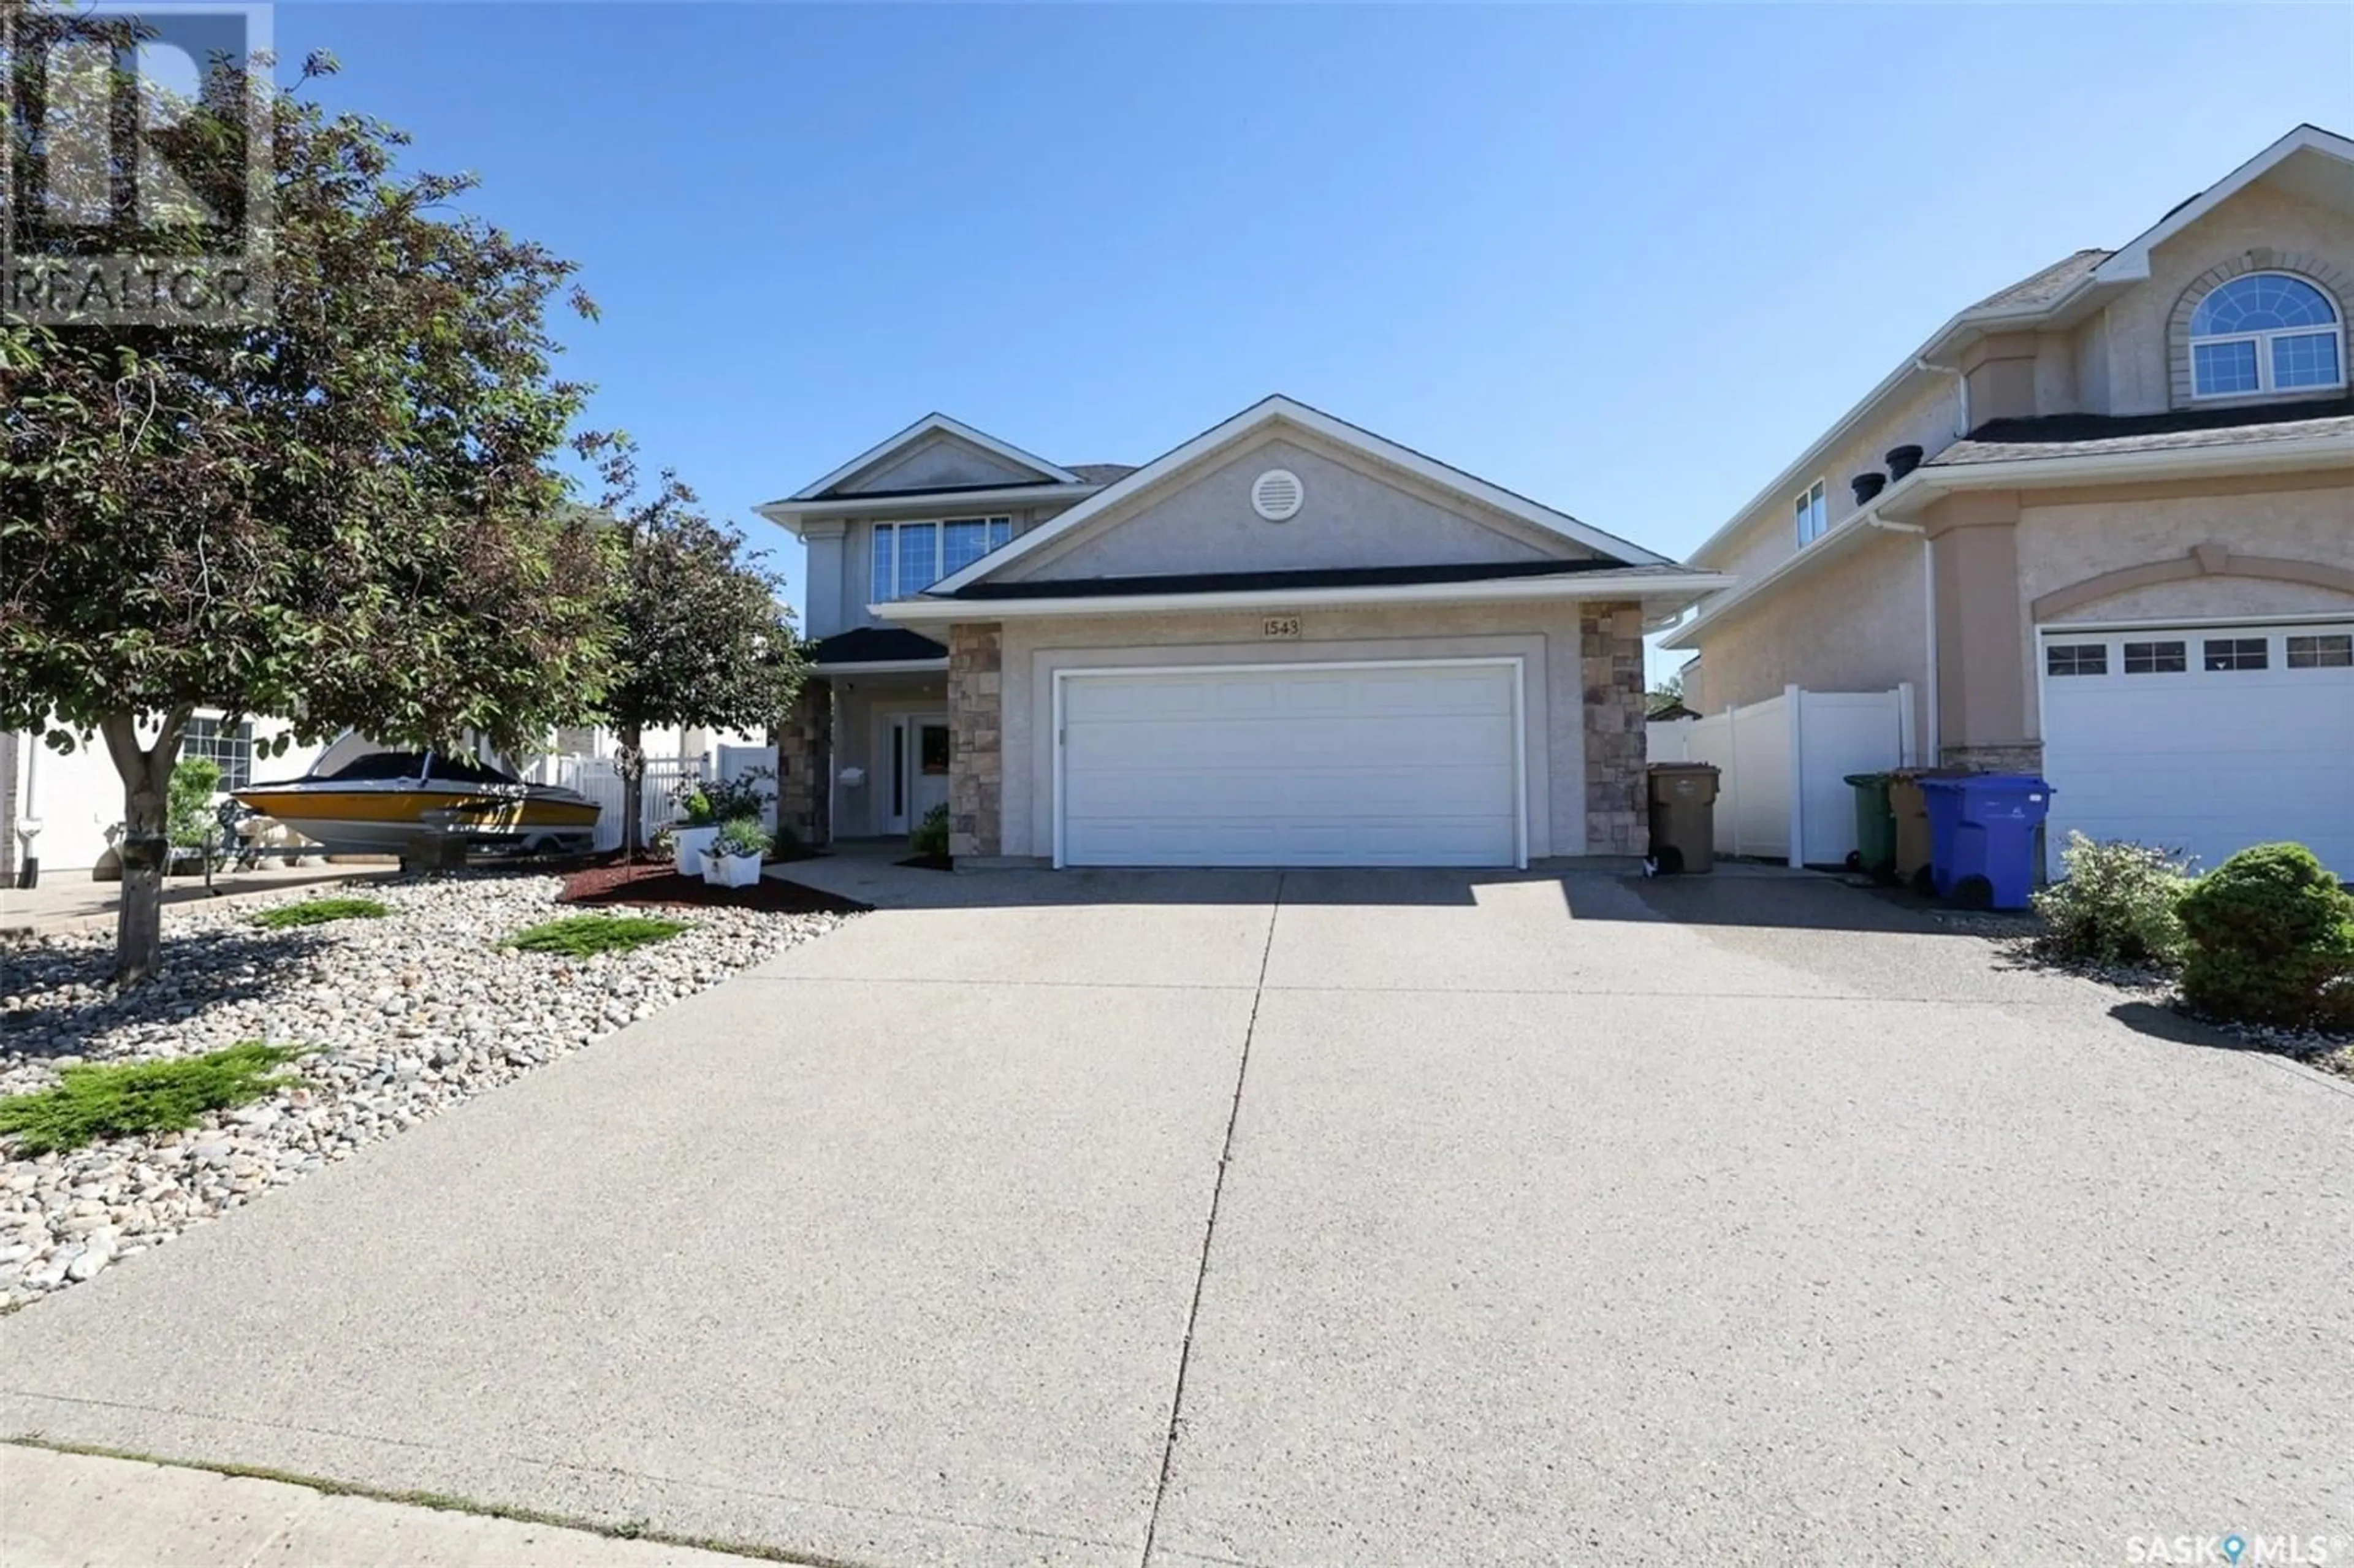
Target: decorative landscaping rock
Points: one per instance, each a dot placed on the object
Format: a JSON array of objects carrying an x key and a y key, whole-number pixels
[{"x": 403, "y": 1017}]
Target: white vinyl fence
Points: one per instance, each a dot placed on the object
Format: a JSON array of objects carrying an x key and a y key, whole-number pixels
[
  {"x": 1782, "y": 790},
  {"x": 597, "y": 778}
]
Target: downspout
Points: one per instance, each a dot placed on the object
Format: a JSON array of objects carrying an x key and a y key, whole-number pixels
[
  {"x": 28, "y": 825},
  {"x": 1935, "y": 749}
]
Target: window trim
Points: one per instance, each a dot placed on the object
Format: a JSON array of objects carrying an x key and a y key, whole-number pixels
[
  {"x": 2077, "y": 651},
  {"x": 2265, "y": 387},
  {"x": 2239, "y": 649},
  {"x": 219, "y": 732},
  {"x": 1813, "y": 502},
  {"x": 884, "y": 587},
  {"x": 2340, "y": 642}
]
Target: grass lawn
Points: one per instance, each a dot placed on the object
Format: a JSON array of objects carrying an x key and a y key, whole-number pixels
[
  {"x": 585, "y": 936},
  {"x": 123, "y": 1100}
]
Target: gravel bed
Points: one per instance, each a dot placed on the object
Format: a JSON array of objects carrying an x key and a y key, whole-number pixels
[{"x": 402, "y": 1017}]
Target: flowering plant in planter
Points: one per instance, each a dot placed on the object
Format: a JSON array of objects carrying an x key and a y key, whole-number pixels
[{"x": 733, "y": 858}]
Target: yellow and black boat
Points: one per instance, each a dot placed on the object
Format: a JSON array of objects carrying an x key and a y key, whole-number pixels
[{"x": 379, "y": 802}]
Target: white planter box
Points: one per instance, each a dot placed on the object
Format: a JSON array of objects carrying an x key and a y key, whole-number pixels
[
  {"x": 731, "y": 870},
  {"x": 689, "y": 844}
]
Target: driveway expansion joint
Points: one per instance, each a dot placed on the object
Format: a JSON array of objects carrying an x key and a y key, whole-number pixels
[{"x": 1210, "y": 1230}]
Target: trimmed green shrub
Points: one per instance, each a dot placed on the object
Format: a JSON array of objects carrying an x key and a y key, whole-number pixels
[
  {"x": 2117, "y": 905},
  {"x": 931, "y": 834},
  {"x": 585, "y": 935},
  {"x": 188, "y": 801},
  {"x": 128, "y": 1099},
  {"x": 319, "y": 911},
  {"x": 2271, "y": 939},
  {"x": 742, "y": 836}
]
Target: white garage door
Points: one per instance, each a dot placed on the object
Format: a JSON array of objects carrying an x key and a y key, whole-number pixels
[
  {"x": 1388, "y": 763},
  {"x": 2204, "y": 738}
]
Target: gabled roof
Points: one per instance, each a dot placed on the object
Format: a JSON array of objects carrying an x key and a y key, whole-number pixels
[
  {"x": 2309, "y": 143},
  {"x": 1276, "y": 410},
  {"x": 2057, "y": 291},
  {"x": 931, "y": 425}
]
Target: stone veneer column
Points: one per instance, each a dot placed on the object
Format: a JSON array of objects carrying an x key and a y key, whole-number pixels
[
  {"x": 976, "y": 739},
  {"x": 804, "y": 757},
  {"x": 1610, "y": 669}
]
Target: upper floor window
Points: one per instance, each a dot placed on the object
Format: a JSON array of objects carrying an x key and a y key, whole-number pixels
[
  {"x": 911, "y": 557},
  {"x": 2266, "y": 332},
  {"x": 1812, "y": 514}
]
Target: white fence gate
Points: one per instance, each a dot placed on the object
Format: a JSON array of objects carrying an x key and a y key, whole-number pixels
[{"x": 1782, "y": 790}]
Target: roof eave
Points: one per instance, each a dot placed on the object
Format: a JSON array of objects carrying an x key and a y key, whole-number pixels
[
  {"x": 1908, "y": 496},
  {"x": 1660, "y": 593}
]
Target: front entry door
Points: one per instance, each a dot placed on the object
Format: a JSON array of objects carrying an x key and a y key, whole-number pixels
[{"x": 920, "y": 769}]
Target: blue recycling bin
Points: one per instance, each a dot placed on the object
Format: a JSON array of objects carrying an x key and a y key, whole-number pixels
[{"x": 1982, "y": 832}]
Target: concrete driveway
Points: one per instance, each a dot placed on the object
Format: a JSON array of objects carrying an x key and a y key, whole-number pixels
[{"x": 1344, "y": 1218}]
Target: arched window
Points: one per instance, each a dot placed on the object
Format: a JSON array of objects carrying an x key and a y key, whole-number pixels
[{"x": 2266, "y": 332}]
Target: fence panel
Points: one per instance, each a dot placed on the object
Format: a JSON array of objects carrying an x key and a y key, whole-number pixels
[
  {"x": 1782, "y": 790},
  {"x": 734, "y": 762},
  {"x": 1841, "y": 732}
]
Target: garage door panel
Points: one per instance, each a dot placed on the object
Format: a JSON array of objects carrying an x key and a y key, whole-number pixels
[
  {"x": 2207, "y": 761},
  {"x": 1368, "y": 765}
]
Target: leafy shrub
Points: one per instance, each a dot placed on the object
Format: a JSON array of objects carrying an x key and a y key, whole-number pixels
[
  {"x": 2117, "y": 904},
  {"x": 188, "y": 801},
  {"x": 2271, "y": 940},
  {"x": 585, "y": 935},
  {"x": 663, "y": 845},
  {"x": 319, "y": 911},
  {"x": 128, "y": 1099},
  {"x": 703, "y": 801},
  {"x": 931, "y": 834},
  {"x": 742, "y": 836}
]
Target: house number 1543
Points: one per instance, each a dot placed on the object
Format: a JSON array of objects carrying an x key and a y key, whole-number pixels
[{"x": 1282, "y": 626}]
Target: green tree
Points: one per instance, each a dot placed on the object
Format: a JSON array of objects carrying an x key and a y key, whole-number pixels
[
  {"x": 348, "y": 511},
  {"x": 701, "y": 639}
]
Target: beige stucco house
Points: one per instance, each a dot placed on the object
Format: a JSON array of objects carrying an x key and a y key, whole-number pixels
[
  {"x": 1289, "y": 641},
  {"x": 2103, "y": 522}
]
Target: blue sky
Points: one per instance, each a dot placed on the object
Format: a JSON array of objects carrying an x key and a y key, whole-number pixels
[{"x": 1628, "y": 261}]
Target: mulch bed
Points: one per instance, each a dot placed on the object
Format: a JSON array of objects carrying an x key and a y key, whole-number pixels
[
  {"x": 930, "y": 861},
  {"x": 659, "y": 882}
]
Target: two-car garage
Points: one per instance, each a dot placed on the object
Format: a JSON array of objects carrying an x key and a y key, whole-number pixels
[
  {"x": 1393, "y": 762},
  {"x": 2205, "y": 739}
]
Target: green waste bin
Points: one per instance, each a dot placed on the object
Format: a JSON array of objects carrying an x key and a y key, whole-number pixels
[{"x": 1875, "y": 825}]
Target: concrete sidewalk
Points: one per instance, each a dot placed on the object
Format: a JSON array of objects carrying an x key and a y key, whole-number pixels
[
  {"x": 80, "y": 1510},
  {"x": 1347, "y": 1218}
]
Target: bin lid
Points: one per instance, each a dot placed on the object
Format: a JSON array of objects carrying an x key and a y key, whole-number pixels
[
  {"x": 1684, "y": 768},
  {"x": 1867, "y": 779},
  {"x": 1989, "y": 784}
]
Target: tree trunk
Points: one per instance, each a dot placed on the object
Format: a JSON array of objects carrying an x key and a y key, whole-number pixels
[
  {"x": 146, "y": 846},
  {"x": 630, "y": 758}
]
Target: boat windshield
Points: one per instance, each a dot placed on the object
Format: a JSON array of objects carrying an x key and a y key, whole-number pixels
[{"x": 412, "y": 764}]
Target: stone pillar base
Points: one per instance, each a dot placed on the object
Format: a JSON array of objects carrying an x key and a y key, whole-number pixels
[{"x": 1610, "y": 671}]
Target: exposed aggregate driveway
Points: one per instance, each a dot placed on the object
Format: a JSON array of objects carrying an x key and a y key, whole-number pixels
[{"x": 1342, "y": 1218}]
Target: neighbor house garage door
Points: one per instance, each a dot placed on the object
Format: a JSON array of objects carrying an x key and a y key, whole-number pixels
[
  {"x": 1387, "y": 764},
  {"x": 2204, "y": 738}
]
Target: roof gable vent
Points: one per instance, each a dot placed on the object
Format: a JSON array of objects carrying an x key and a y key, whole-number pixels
[{"x": 1277, "y": 495}]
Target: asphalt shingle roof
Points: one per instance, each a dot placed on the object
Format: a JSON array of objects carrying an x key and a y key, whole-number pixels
[
  {"x": 2042, "y": 288},
  {"x": 1101, "y": 472},
  {"x": 2094, "y": 435}
]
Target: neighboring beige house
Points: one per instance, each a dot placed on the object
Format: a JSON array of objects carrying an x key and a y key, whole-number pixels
[
  {"x": 1289, "y": 641},
  {"x": 2125, "y": 556}
]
